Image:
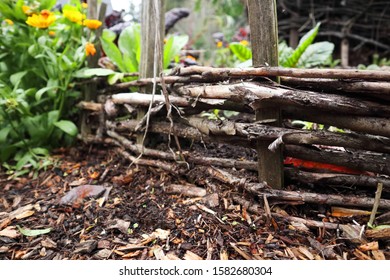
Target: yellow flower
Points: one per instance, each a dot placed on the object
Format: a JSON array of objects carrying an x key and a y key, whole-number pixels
[
  {"x": 244, "y": 42},
  {"x": 43, "y": 20},
  {"x": 27, "y": 10},
  {"x": 52, "y": 33},
  {"x": 92, "y": 23},
  {"x": 84, "y": 5},
  {"x": 10, "y": 22},
  {"x": 90, "y": 49},
  {"x": 74, "y": 16},
  {"x": 219, "y": 44}
]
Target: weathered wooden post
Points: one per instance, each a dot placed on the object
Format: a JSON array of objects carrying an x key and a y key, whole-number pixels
[
  {"x": 264, "y": 39},
  {"x": 152, "y": 21},
  {"x": 90, "y": 92}
]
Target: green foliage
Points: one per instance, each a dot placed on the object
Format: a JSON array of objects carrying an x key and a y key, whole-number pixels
[
  {"x": 127, "y": 54},
  {"x": 37, "y": 91},
  {"x": 376, "y": 64},
  {"x": 306, "y": 54},
  {"x": 242, "y": 52},
  {"x": 303, "y": 44},
  {"x": 173, "y": 45}
]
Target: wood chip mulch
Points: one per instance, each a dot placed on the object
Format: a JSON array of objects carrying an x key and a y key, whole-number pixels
[{"x": 142, "y": 212}]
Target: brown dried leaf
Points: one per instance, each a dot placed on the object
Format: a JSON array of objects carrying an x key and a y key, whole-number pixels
[
  {"x": 10, "y": 232},
  {"x": 19, "y": 211},
  {"x": 103, "y": 254},
  {"x": 123, "y": 179},
  {"x": 25, "y": 214},
  {"x": 121, "y": 225},
  {"x": 85, "y": 247},
  {"x": 79, "y": 193}
]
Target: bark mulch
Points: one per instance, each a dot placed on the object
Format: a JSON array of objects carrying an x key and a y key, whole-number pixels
[{"x": 121, "y": 211}]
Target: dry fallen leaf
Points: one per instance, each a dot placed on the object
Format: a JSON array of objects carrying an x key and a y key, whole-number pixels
[
  {"x": 25, "y": 214},
  {"x": 121, "y": 225},
  {"x": 10, "y": 232},
  {"x": 77, "y": 194}
]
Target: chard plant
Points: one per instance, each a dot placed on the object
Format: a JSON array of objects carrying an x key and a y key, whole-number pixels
[{"x": 40, "y": 49}]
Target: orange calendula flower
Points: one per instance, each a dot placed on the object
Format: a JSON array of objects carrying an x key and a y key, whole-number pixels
[
  {"x": 8, "y": 21},
  {"x": 90, "y": 49},
  {"x": 43, "y": 20},
  {"x": 191, "y": 57},
  {"x": 92, "y": 23},
  {"x": 52, "y": 33},
  {"x": 74, "y": 16}
]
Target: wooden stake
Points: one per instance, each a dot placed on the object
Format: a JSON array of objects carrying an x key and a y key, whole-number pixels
[
  {"x": 264, "y": 40},
  {"x": 152, "y": 12}
]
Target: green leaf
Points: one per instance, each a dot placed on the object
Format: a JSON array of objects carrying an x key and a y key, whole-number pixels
[
  {"x": 33, "y": 232},
  {"x": 27, "y": 157},
  {"x": 284, "y": 52},
  {"x": 91, "y": 72},
  {"x": 39, "y": 93},
  {"x": 172, "y": 48},
  {"x": 67, "y": 127},
  {"x": 112, "y": 79},
  {"x": 111, "y": 50},
  {"x": 304, "y": 43},
  {"x": 316, "y": 54},
  {"x": 242, "y": 52},
  {"x": 40, "y": 151},
  {"x": 47, "y": 4},
  {"x": 129, "y": 43},
  {"x": 16, "y": 78},
  {"x": 4, "y": 133}
]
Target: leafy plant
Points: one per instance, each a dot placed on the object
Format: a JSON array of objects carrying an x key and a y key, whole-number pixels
[
  {"x": 127, "y": 54},
  {"x": 306, "y": 54},
  {"x": 39, "y": 52},
  {"x": 376, "y": 63}
]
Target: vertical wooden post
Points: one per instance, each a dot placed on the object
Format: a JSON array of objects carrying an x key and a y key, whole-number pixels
[
  {"x": 152, "y": 13},
  {"x": 344, "y": 53},
  {"x": 92, "y": 61},
  {"x": 294, "y": 34},
  {"x": 264, "y": 39}
]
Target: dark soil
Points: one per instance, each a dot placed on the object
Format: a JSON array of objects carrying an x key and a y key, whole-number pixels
[{"x": 141, "y": 220}]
